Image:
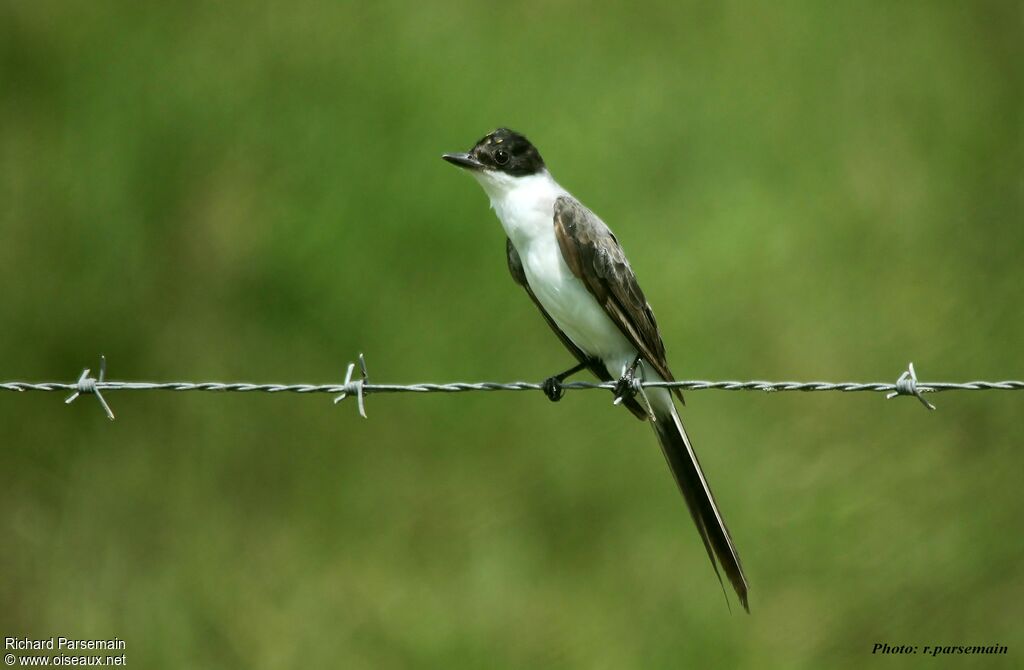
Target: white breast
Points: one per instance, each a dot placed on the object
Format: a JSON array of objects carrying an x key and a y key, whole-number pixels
[
  {"x": 571, "y": 305},
  {"x": 525, "y": 207}
]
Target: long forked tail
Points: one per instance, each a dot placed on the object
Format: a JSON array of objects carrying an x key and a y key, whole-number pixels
[{"x": 686, "y": 469}]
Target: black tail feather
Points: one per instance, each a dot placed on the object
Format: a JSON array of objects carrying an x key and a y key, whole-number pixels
[{"x": 686, "y": 469}]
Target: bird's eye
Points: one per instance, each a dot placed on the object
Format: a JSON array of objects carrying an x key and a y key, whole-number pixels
[{"x": 500, "y": 156}]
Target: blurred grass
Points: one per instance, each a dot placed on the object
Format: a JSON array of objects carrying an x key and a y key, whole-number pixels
[{"x": 253, "y": 191}]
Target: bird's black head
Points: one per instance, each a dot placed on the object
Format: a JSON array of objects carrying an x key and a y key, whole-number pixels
[{"x": 503, "y": 150}]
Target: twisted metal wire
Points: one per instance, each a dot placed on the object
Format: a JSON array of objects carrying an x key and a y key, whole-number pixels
[
  {"x": 906, "y": 385},
  {"x": 461, "y": 387}
]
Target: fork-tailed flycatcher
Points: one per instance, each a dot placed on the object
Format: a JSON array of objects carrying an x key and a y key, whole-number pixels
[{"x": 574, "y": 270}]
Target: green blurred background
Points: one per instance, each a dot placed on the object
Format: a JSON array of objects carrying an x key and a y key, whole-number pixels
[{"x": 253, "y": 191}]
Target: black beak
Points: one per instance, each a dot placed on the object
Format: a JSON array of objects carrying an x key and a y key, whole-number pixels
[{"x": 463, "y": 161}]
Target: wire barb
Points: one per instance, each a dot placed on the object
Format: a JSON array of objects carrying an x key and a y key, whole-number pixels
[
  {"x": 355, "y": 386},
  {"x": 87, "y": 384},
  {"x": 907, "y": 385}
]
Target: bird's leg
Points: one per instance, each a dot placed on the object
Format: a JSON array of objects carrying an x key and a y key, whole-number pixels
[{"x": 553, "y": 385}]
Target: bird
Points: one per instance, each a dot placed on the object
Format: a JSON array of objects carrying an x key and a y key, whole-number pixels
[{"x": 575, "y": 271}]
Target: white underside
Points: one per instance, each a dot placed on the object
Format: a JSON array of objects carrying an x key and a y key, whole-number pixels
[{"x": 525, "y": 207}]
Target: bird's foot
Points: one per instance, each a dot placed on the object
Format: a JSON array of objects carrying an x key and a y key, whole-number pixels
[
  {"x": 625, "y": 388},
  {"x": 552, "y": 386},
  {"x": 628, "y": 385}
]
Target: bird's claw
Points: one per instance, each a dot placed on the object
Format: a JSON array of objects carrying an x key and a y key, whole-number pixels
[
  {"x": 552, "y": 386},
  {"x": 625, "y": 387},
  {"x": 553, "y": 389},
  {"x": 628, "y": 385}
]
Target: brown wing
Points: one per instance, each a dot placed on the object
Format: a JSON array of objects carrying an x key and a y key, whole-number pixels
[
  {"x": 515, "y": 268},
  {"x": 595, "y": 257}
]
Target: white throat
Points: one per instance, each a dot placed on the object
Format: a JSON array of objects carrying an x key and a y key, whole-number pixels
[{"x": 524, "y": 205}]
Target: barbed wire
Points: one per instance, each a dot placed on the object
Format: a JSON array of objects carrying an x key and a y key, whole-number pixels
[{"x": 906, "y": 385}]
